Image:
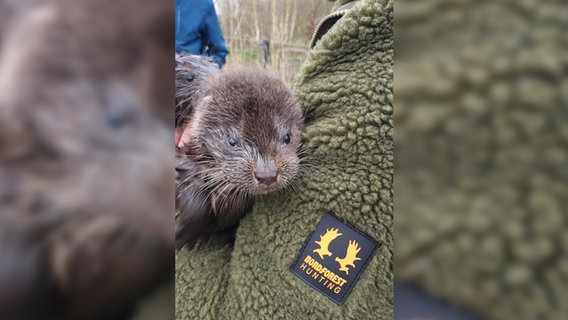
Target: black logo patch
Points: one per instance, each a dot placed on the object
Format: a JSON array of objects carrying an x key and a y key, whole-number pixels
[{"x": 333, "y": 258}]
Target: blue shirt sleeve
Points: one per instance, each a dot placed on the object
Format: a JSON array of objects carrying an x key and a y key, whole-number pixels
[{"x": 213, "y": 37}]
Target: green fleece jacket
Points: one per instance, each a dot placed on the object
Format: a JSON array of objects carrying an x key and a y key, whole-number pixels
[
  {"x": 481, "y": 152},
  {"x": 345, "y": 87}
]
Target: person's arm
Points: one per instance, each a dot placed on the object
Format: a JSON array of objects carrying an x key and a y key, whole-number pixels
[{"x": 213, "y": 37}]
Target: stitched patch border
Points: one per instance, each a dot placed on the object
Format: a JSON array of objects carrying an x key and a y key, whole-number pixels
[{"x": 333, "y": 257}]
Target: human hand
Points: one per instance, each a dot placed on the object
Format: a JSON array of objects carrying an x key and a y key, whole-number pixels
[{"x": 182, "y": 136}]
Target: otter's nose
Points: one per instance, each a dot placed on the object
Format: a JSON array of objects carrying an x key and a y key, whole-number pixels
[{"x": 266, "y": 178}]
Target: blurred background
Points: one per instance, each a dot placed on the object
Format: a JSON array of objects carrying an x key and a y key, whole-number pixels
[
  {"x": 270, "y": 34},
  {"x": 481, "y": 186},
  {"x": 86, "y": 161}
]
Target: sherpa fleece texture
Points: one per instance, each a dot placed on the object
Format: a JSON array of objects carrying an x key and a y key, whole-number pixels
[
  {"x": 481, "y": 178},
  {"x": 345, "y": 87}
]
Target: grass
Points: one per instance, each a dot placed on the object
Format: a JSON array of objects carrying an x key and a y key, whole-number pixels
[{"x": 285, "y": 61}]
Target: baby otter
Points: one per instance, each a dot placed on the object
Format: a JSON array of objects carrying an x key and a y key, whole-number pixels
[
  {"x": 245, "y": 138},
  {"x": 191, "y": 70},
  {"x": 84, "y": 235}
]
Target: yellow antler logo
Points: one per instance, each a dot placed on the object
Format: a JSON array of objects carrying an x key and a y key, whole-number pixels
[
  {"x": 325, "y": 240},
  {"x": 350, "y": 257}
]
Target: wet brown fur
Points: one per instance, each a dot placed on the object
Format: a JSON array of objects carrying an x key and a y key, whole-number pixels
[
  {"x": 85, "y": 157},
  {"x": 191, "y": 71},
  {"x": 217, "y": 182}
]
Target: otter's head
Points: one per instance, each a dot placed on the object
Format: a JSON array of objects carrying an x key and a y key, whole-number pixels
[
  {"x": 190, "y": 71},
  {"x": 247, "y": 127}
]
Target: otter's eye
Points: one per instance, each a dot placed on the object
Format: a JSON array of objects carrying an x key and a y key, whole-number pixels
[
  {"x": 117, "y": 118},
  {"x": 232, "y": 142},
  {"x": 189, "y": 78},
  {"x": 286, "y": 139}
]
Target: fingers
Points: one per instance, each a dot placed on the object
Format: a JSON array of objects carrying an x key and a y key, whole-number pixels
[{"x": 183, "y": 135}]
